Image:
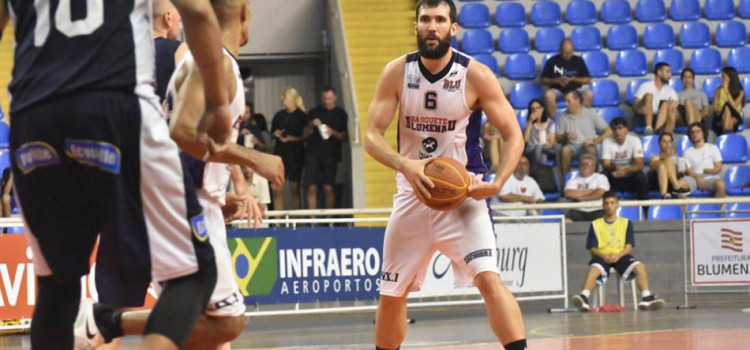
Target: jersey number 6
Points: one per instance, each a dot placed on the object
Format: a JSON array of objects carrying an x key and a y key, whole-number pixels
[
  {"x": 430, "y": 100},
  {"x": 64, "y": 20}
]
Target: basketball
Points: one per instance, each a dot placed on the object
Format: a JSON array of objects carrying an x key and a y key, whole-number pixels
[{"x": 451, "y": 182}]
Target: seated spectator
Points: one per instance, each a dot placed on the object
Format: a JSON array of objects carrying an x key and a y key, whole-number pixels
[
  {"x": 258, "y": 187},
  {"x": 520, "y": 188},
  {"x": 693, "y": 102},
  {"x": 622, "y": 160},
  {"x": 703, "y": 163},
  {"x": 657, "y": 98},
  {"x": 611, "y": 242},
  {"x": 492, "y": 143},
  {"x": 576, "y": 130},
  {"x": 251, "y": 134},
  {"x": 728, "y": 101},
  {"x": 587, "y": 186},
  {"x": 563, "y": 73},
  {"x": 664, "y": 174},
  {"x": 539, "y": 134}
]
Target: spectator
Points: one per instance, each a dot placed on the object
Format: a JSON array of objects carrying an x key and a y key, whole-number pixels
[
  {"x": 611, "y": 242},
  {"x": 539, "y": 134},
  {"x": 258, "y": 187},
  {"x": 6, "y": 188},
  {"x": 657, "y": 98},
  {"x": 521, "y": 188},
  {"x": 586, "y": 186},
  {"x": 693, "y": 105},
  {"x": 251, "y": 134},
  {"x": 664, "y": 174},
  {"x": 728, "y": 100},
  {"x": 622, "y": 160},
  {"x": 287, "y": 128},
  {"x": 169, "y": 50},
  {"x": 577, "y": 129},
  {"x": 703, "y": 163},
  {"x": 492, "y": 144},
  {"x": 327, "y": 130},
  {"x": 563, "y": 73}
]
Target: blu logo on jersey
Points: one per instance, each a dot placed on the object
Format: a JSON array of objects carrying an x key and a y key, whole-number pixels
[
  {"x": 34, "y": 155},
  {"x": 103, "y": 155}
]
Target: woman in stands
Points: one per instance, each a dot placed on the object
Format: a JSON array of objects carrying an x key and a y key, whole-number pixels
[
  {"x": 664, "y": 175},
  {"x": 539, "y": 134},
  {"x": 288, "y": 128},
  {"x": 728, "y": 100}
]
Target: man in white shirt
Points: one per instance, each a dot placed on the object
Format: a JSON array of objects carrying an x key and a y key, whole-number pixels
[
  {"x": 586, "y": 186},
  {"x": 622, "y": 160},
  {"x": 657, "y": 98},
  {"x": 703, "y": 163},
  {"x": 520, "y": 188},
  {"x": 576, "y": 130}
]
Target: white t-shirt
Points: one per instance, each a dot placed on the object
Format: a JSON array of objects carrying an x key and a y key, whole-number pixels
[
  {"x": 593, "y": 182},
  {"x": 665, "y": 94},
  {"x": 697, "y": 159},
  {"x": 622, "y": 155},
  {"x": 525, "y": 187}
]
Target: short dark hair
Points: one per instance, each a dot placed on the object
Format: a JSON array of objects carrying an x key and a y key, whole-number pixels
[
  {"x": 328, "y": 88},
  {"x": 250, "y": 104},
  {"x": 619, "y": 121},
  {"x": 609, "y": 194},
  {"x": 575, "y": 93},
  {"x": 686, "y": 70},
  {"x": 660, "y": 65},
  {"x": 436, "y": 3},
  {"x": 698, "y": 124},
  {"x": 666, "y": 133}
]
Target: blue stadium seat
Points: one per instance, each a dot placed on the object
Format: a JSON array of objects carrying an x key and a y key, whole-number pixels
[
  {"x": 547, "y": 57},
  {"x": 731, "y": 34},
  {"x": 597, "y": 62},
  {"x": 732, "y": 210},
  {"x": 606, "y": 93},
  {"x": 586, "y": 39},
  {"x": 664, "y": 212},
  {"x": 650, "y": 11},
  {"x": 548, "y": 39},
  {"x": 609, "y": 113},
  {"x": 683, "y": 143},
  {"x": 4, "y": 135},
  {"x": 671, "y": 56},
  {"x": 454, "y": 42},
  {"x": 546, "y": 14},
  {"x": 631, "y": 89},
  {"x": 571, "y": 174},
  {"x": 733, "y": 148},
  {"x": 738, "y": 58},
  {"x": 513, "y": 40},
  {"x": 580, "y": 12},
  {"x": 473, "y": 16},
  {"x": 743, "y": 10},
  {"x": 746, "y": 87},
  {"x": 676, "y": 84},
  {"x": 685, "y": 10},
  {"x": 477, "y": 41},
  {"x": 523, "y": 92},
  {"x": 736, "y": 178},
  {"x": 650, "y": 146},
  {"x": 551, "y": 211},
  {"x": 715, "y": 208},
  {"x": 658, "y": 36},
  {"x": 16, "y": 230},
  {"x": 510, "y": 15},
  {"x": 489, "y": 61},
  {"x": 616, "y": 11},
  {"x": 630, "y": 213},
  {"x": 522, "y": 116},
  {"x": 695, "y": 35},
  {"x": 709, "y": 87},
  {"x": 469, "y": 0},
  {"x": 631, "y": 63},
  {"x": 520, "y": 66},
  {"x": 706, "y": 61},
  {"x": 553, "y": 196},
  {"x": 4, "y": 159},
  {"x": 716, "y": 10},
  {"x": 622, "y": 37}
]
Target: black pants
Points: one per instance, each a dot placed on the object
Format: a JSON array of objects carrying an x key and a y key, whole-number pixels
[{"x": 635, "y": 182}]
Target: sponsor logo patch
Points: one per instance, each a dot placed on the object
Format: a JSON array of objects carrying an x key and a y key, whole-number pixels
[
  {"x": 34, "y": 155},
  {"x": 102, "y": 155},
  {"x": 198, "y": 224},
  {"x": 482, "y": 253}
]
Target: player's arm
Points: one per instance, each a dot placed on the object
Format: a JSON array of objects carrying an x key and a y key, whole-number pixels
[
  {"x": 379, "y": 117},
  {"x": 249, "y": 205},
  {"x": 179, "y": 53}
]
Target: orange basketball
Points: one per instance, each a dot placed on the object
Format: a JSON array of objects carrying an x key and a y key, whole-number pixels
[{"x": 451, "y": 182}]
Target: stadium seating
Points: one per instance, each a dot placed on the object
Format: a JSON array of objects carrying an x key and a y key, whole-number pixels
[
  {"x": 4, "y": 159},
  {"x": 546, "y": 14},
  {"x": 606, "y": 93},
  {"x": 597, "y": 63},
  {"x": 695, "y": 35},
  {"x": 631, "y": 213},
  {"x": 650, "y": 146},
  {"x": 631, "y": 63},
  {"x": 489, "y": 61},
  {"x": 677, "y": 84},
  {"x": 736, "y": 178},
  {"x": 510, "y": 15},
  {"x": 548, "y": 39},
  {"x": 732, "y": 210},
  {"x": 715, "y": 208},
  {"x": 4, "y": 136},
  {"x": 454, "y": 43},
  {"x": 706, "y": 61},
  {"x": 743, "y": 10},
  {"x": 746, "y": 87},
  {"x": 610, "y": 113},
  {"x": 658, "y": 36},
  {"x": 616, "y": 12},
  {"x": 513, "y": 40},
  {"x": 685, "y": 10},
  {"x": 580, "y": 12},
  {"x": 738, "y": 58},
  {"x": 586, "y": 38},
  {"x": 523, "y": 92},
  {"x": 718, "y": 9},
  {"x": 709, "y": 86},
  {"x": 664, "y": 212},
  {"x": 731, "y": 34},
  {"x": 477, "y": 41},
  {"x": 522, "y": 116},
  {"x": 551, "y": 211},
  {"x": 650, "y": 11},
  {"x": 520, "y": 66},
  {"x": 631, "y": 89},
  {"x": 683, "y": 143},
  {"x": 733, "y": 148},
  {"x": 547, "y": 57},
  {"x": 474, "y": 16},
  {"x": 673, "y": 57},
  {"x": 622, "y": 37}
]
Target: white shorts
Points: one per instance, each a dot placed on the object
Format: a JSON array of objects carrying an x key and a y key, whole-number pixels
[
  {"x": 710, "y": 182},
  {"x": 414, "y": 232}
]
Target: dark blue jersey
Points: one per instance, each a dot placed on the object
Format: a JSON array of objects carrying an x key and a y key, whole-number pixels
[
  {"x": 69, "y": 46},
  {"x": 165, "y": 50}
]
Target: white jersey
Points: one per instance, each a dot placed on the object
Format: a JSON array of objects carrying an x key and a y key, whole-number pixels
[
  {"x": 434, "y": 119},
  {"x": 213, "y": 178}
]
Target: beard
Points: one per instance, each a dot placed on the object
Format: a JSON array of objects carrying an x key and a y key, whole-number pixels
[
  {"x": 664, "y": 81},
  {"x": 438, "y": 51}
]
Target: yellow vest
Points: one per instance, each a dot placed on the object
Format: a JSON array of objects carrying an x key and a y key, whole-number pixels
[{"x": 611, "y": 237}]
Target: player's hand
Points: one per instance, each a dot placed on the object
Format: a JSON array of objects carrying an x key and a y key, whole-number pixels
[
  {"x": 254, "y": 214},
  {"x": 216, "y": 125},
  {"x": 271, "y": 167},
  {"x": 233, "y": 206},
  {"x": 480, "y": 190},
  {"x": 413, "y": 171}
]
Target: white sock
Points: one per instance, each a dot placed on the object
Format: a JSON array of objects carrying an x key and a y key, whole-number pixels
[
  {"x": 645, "y": 293},
  {"x": 585, "y": 293}
]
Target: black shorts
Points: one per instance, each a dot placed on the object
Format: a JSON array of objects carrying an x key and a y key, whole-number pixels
[
  {"x": 293, "y": 163},
  {"x": 624, "y": 266},
  {"x": 320, "y": 171},
  {"x": 653, "y": 182},
  {"x": 580, "y": 215}
]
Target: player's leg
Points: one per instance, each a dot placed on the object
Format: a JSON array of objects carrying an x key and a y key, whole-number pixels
[
  {"x": 390, "y": 322},
  {"x": 502, "y": 309},
  {"x": 598, "y": 269}
]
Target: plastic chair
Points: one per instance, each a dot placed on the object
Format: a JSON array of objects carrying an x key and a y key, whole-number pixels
[
  {"x": 16, "y": 230},
  {"x": 571, "y": 174},
  {"x": 706, "y": 61},
  {"x": 733, "y": 148},
  {"x": 551, "y": 212},
  {"x": 546, "y": 14},
  {"x": 746, "y": 87},
  {"x": 522, "y": 116},
  {"x": 650, "y": 11},
  {"x": 736, "y": 178},
  {"x": 743, "y": 10},
  {"x": 523, "y": 92},
  {"x": 546, "y": 57},
  {"x": 631, "y": 63},
  {"x": 606, "y": 93},
  {"x": 658, "y": 36},
  {"x": 731, "y": 34},
  {"x": 477, "y": 41},
  {"x": 650, "y": 146},
  {"x": 732, "y": 210},
  {"x": 683, "y": 143},
  {"x": 580, "y": 12},
  {"x": 597, "y": 63},
  {"x": 694, "y": 35},
  {"x": 676, "y": 84},
  {"x": 631, "y": 89},
  {"x": 673, "y": 57},
  {"x": 520, "y": 66},
  {"x": 622, "y": 37},
  {"x": 610, "y": 113},
  {"x": 715, "y": 10},
  {"x": 548, "y": 39},
  {"x": 586, "y": 39},
  {"x": 598, "y": 298},
  {"x": 510, "y": 15},
  {"x": 553, "y": 196},
  {"x": 685, "y": 10},
  {"x": 714, "y": 208},
  {"x": 738, "y": 58},
  {"x": 473, "y": 16},
  {"x": 665, "y": 212},
  {"x": 616, "y": 12},
  {"x": 631, "y": 213},
  {"x": 4, "y": 135},
  {"x": 513, "y": 40},
  {"x": 4, "y": 159},
  {"x": 489, "y": 61},
  {"x": 709, "y": 87}
]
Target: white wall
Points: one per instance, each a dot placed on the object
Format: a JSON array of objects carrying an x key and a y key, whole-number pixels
[{"x": 285, "y": 27}]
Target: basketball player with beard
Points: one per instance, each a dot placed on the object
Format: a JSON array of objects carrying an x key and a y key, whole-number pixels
[{"x": 440, "y": 94}]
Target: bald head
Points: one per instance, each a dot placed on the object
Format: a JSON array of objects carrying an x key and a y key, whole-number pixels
[{"x": 166, "y": 19}]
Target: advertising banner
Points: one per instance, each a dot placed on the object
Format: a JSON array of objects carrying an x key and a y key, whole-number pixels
[{"x": 719, "y": 255}]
